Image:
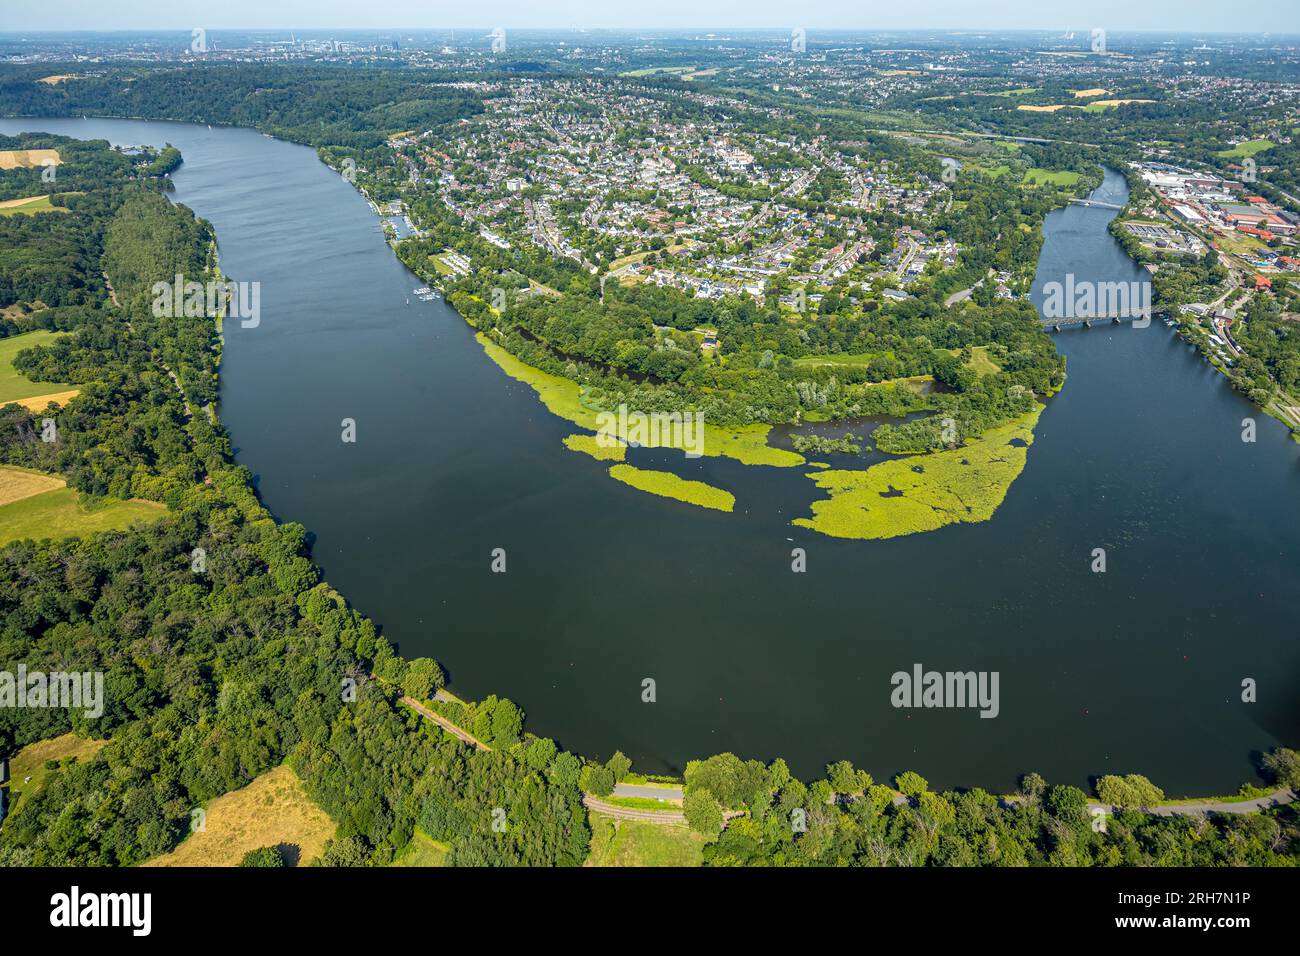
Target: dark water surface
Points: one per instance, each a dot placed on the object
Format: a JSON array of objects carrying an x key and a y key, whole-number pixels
[{"x": 1135, "y": 670}]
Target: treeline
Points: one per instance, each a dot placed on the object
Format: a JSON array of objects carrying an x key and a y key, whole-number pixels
[
  {"x": 847, "y": 819},
  {"x": 317, "y": 105}
]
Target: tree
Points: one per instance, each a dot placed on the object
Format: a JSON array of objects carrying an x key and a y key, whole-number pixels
[
  {"x": 267, "y": 856},
  {"x": 507, "y": 723},
  {"x": 1131, "y": 790},
  {"x": 597, "y": 780},
  {"x": 423, "y": 676},
  {"x": 618, "y": 765},
  {"x": 911, "y": 784},
  {"x": 1068, "y": 804},
  {"x": 703, "y": 812},
  {"x": 348, "y": 851},
  {"x": 846, "y": 780},
  {"x": 1283, "y": 766},
  {"x": 1032, "y": 786}
]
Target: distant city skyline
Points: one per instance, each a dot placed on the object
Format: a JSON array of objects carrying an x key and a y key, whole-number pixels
[{"x": 1173, "y": 16}]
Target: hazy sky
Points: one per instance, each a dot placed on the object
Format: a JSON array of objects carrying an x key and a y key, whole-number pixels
[{"x": 1113, "y": 15}]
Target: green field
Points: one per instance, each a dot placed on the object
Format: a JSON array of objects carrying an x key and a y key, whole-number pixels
[
  {"x": 60, "y": 514},
  {"x": 423, "y": 850},
  {"x": 642, "y": 803},
  {"x": 27, "y": 207},
  {"x": 30, "y": 762},
  {"x": 643, "y": 843},
  {"x": 1249, "y": 148},
  {"x": 1037, "y": 176},
  {"x": 979, "y": 360},
  {"x": 1023, "y": 91},
  {"x": 13, "y": 385}
]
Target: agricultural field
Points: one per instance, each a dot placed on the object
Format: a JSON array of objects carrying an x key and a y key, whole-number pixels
[
  {"x": 29, "y": 206},
  {"x": 16, "y": 387},
  {"x": 38, "y": 506},
  {"x": 273, "y": 810},
  {"x": 28, "y": 158},
  {"x": 617, "y": 842}
]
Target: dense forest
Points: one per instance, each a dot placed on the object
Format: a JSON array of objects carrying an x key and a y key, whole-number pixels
[
  {"x": 316, "y": 105},
  {"x": 216, "y": 675}
]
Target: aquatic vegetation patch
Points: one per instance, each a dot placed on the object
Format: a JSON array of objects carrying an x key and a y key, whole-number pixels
[
  {"x": 895, "y": 498},
  {"x": 590, "y": 445},
  {"x": 668, "y": 485},
  {"x": 563, "y": 397}
]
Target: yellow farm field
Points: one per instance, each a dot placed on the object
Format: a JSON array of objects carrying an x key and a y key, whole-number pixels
[{"x": 27, "y": 158}]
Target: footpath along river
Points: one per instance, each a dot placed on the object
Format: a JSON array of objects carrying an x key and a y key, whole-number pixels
[{"x": 1135, "y": 670}]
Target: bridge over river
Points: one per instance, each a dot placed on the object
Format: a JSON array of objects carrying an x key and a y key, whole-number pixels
[
  {"x": 1116, "y": 317},
  {"x": 1095, "y": 202}
]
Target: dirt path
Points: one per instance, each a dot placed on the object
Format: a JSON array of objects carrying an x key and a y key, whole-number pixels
[
  {"x": 625, "y": 813},
  {"x": 444, "y": 723}
]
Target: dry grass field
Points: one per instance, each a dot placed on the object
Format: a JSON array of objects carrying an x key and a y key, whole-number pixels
[
  {"x": 19, "y": 483},
  {"x": 27, "y": 158},
  {"x": 272, "y": 810}
]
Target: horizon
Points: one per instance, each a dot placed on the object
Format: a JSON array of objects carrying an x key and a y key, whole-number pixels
[{"x": 1019, "y": 16}]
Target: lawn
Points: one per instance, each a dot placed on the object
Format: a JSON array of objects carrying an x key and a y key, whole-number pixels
[
  {"x": 273, "y": 810},
  {"x": 1037, "y": 176},
  {"x": 979, "y": 360},
  {"x": 58, "y": 512},
  {"x": 644, "y": 803},
  {"x": 1249, "y": 148},
  {"x": 15, "y": 387},
  {"x": 30, "y": 762},
  {"x": 423, "y": 850},
  {"x": 642, "y": 843}
]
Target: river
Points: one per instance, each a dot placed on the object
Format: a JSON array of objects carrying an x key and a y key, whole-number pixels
[{"x": 1137, "y": 669}]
